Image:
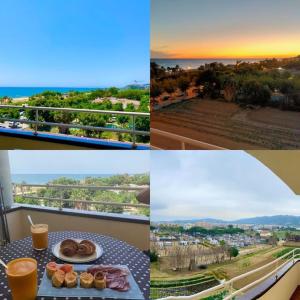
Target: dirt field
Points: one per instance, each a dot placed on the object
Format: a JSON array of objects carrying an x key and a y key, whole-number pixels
[
  {"x": 227, "y": 125},
  {"x": 237, "y": 266}
]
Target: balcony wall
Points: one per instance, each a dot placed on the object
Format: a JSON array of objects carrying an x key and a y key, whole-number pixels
[
  {"x": 26, "y": 140},
  {"x": 28, "y": 144},
  {"x": 286, "y": 285},
  {"x": 133, "y": 230}
]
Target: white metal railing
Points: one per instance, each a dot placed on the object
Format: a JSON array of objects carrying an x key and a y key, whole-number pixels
[
  {"x": 90, "y": 187},
  {"x": 38, "y": 123},
  {"x": 228, "y": 285},
  {"x": 183, "y": 141},
  {"x": 22, "y": 191}
]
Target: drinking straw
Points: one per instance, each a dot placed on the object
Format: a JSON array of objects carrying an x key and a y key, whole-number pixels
[
  {"x": 3, "y": 263},
  {"x": 30, "y": 220}
]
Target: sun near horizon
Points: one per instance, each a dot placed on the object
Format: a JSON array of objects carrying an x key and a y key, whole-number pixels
[{"x": 257, "y": 29}]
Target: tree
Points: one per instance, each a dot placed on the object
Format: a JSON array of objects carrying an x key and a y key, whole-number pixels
[
  {"x": 155, "y": 90},
  {"x": 169, "y": 86},
  {"x": 153, "y": 256},
  {"x": 113, "y": 91},
  {"x": 92, "y": 120},
  {"x": 253, "y": 92},
  {"x": 183, "y": 84},
  {"x": 156, "y": 70},
  {"x": 273, "y": 239},
  {"x": 233, "y": 252},
  {"x": 65, "y": 118}
]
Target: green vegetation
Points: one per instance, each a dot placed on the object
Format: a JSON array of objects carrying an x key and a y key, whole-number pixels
[
  {"x": 283, "y": 252},
  {"x": 188, "y": 286},
  {"x": 233, "y": 252},
  {"x": 215, "y": 231},
  {"x": 89, "y": 195},
  {"x": 88, "y": 100},
  {"x": 153, "y": 256},
  {"x": 219, "y": 296},
  {"x": 180, "y": 282},
  {"x": 243, "y": 83},
  {"x": 286, "y": 233},
  {"x": 200, "y": 230}
]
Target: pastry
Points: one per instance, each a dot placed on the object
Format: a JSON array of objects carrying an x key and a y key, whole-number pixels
[
  {"x": 51, "y": 268},
  {"x": 69, "y": 247},
  {"x": 71, "y": 279},
  {"x": 86, "y": 280},
  {"x": 66, "y": 268},
  {"x": 99, "y": 280},
  {"x": 86, "y": 247},
  {"x": 58, "y": 278}
]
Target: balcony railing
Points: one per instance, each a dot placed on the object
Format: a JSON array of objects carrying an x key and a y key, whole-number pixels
[
  {"x": 290, "y": 258},
  {"x": 184, "y": 141},
  {"x": 30, "y": 193},
  {"x": 133, "y": 115}
]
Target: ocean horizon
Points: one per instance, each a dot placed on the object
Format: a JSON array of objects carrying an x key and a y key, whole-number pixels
[
  {"x": 19, "y": 92},
  {"x": 45, "y": 178},
  {"x": 196, "y": 63}
]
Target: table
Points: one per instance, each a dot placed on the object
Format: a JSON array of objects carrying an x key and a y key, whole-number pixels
[{"x": 115, "y": 252}]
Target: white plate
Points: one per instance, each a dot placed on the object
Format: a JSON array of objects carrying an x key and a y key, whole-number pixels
[{"x": 77, "y": 259}]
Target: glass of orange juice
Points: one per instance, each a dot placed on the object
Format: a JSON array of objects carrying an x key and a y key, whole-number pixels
[
  {"x": 22, "y": 278},
  {"x": 39, "y": 233}
]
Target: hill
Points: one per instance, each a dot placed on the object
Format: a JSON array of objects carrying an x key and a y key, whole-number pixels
[{"x": 281, "y": 220}]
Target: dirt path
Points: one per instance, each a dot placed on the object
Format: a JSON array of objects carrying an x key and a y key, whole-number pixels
[{"x": 227, "y": 125}]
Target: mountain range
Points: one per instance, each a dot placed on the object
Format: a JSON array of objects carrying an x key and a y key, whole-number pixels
[{"x": 280, "y": 220}]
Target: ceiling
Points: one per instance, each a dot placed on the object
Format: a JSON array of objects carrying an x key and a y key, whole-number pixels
[{"x": 284, "y": 163}]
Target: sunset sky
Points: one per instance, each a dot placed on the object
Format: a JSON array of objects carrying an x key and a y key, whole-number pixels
[{"x": 225, "y": 29}]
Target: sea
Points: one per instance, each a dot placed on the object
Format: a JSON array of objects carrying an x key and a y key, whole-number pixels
[
  {"x": 45, "y": 178},
  {"x": 196, "y": 63},
  {"x": 19, "y": 92}
]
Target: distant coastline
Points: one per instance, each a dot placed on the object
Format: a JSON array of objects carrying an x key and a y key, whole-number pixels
[
  {"x": 25, "y": 92},
  {"x": 45, "y": 178},
  {"x": 196, "y": 63}
]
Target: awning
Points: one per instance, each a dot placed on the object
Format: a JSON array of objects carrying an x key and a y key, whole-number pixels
[{"x": 284, "y": 163}]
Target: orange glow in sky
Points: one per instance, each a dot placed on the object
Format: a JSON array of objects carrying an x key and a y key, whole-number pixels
[
  {"x": 280, "y": 48},
  {"x": 215, "y": 29}
]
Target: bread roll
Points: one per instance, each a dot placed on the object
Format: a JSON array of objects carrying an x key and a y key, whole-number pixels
[
  {"x": 51, "y": 268},
  {"x": 71, "y": 279},
  {"x": 99, "y": 280},
  {"x": 86, "y": 280},
  {"x": 58, "y": 278}
]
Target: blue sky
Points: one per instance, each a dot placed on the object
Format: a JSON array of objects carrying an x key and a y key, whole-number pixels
[
  {"x": 216, "y": 184},
  {"x": 87, "y": 43},
  {"x": 79, "y": 162}
]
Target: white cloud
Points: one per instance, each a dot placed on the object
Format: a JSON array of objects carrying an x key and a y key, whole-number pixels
[{"x": 227, "y": 185}]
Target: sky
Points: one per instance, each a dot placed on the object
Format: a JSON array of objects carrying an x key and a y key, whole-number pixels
[
  {"x": 226, "y": 185},
  {"x": 79, "y": 162},
  {"x": 225, "y": 29},
  {"x": 74, "y": 43}
]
